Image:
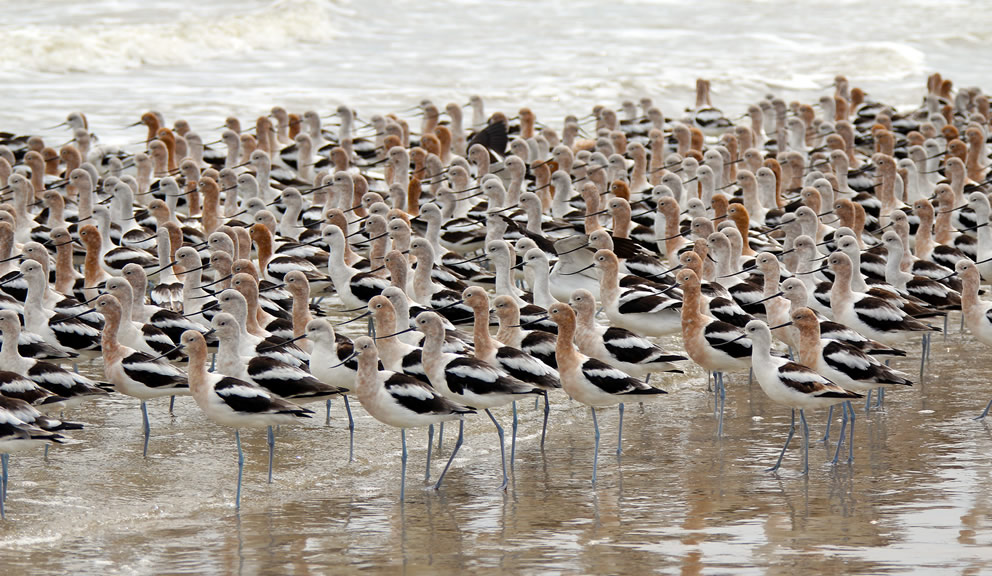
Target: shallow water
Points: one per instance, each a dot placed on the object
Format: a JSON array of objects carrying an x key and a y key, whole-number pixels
[{"x": 916, "y": 500}]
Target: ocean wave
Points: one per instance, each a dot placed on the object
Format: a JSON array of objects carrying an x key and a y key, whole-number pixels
[{"x": 107, "y": 47}]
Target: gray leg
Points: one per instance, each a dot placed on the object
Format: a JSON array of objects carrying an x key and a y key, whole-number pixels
[
  {"x": 792, "y": 430},
  {"x": 241, "y": 467},
  {"x": 403, "y": 465},
  {"x": 458, "y": 444},
  {"x": 843, "y": 430},
  {"x": 3, "y": 485},
  {"x": 547, "y": 412},
  {"x": 351, "y": 430},
  {"x": 850, "y": 439},
  {"x": 802, "y": 420},
  {"x": 502, "y": 449},
  {"x": 513, "y": 436},
  {"x": 830, "y": 419},
  {"x": 620, "y": 433},
  {"x": 146, "y": 426},
  {"x": 595, "y": 450},
  {"x": 327, "y": 417},
  {"x": 880, "y": 397},
  {"x": 272, "y": 450},
  {"x": 868, "y": 400},
  {"x": 172, "y": 404},
  {"x": 430, "y": 446},
  {"x": 440, "y": 436},
  {"x": 984, "y": 412}
]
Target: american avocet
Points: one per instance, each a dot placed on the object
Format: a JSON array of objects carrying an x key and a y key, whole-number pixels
[
  {"x": 233, "y": 402},
  {"x": 66, "y": 332},
  {"x": 354, "y": 288},
  {"x": 591, "y": 381},
  {"x": 537, "y": 343},
  {"x": 934, "y": 293},
  {"x": 842, "y": 364},
  {"x": 794, "y": 385},
  {"x": 617, "y": 346},
  {"x": 514, "y": 361},
  {"x": 875, "y": 318},
  {"x": 143, "y": 337},
  {"x": 22, "y": 427},
  {"x": 977, "y": 313},
  {"x": 402, "y": 401},
  {"x": 135, "y": 373},
  {"x": 646, "y": 313},
  {"x": 716, "y": 346},
  {"x": 468, "y": 380},
  {"x": 72, "y": 387},
  {"x": 794, "y": 291}
]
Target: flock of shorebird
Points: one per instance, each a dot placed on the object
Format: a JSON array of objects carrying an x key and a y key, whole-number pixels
[{"x": 805, "y": 244}]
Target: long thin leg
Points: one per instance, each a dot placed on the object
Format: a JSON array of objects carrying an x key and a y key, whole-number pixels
[
  {"x": 792, "y": 430},
  {"x": 880, "y": 397},
  {"x": 241, "y": 467},
  {"x": 721, "y": 395},
  {"x": 802, "y": 419},
  {"x": 620, "y": 433},
  {"x": 440, "y": 437},
  {"x": 595, "y": 450},
  {"x": 458, "y": 444},
  {"x": 351, "y": 430},
  {"x": 830, "y": 418},
  {"x": 843, "y": 431},
  {"x": 850, "y": 438},
  {"x": 403, "y": 465},
  {"x": 272, "y": 450},
  {"x": 868, "y": 400},
  {"x": 502, "y": 449},
  {"x": 5, "y": 461},
  {"x": 146, "y": 426},
  {"x": 537, "y": 405},
  {"x": 172, "y": 404},
  {"x": 3, "y": 486},
  {"x": 430, "y": 446},
  {"x": 547, "y": 412},
  {"x": 327, "y": 408},
  {"x": 716, "y": 394},
  {"x": 984, "y": 412},
  {"x": 513, "y": 436}
]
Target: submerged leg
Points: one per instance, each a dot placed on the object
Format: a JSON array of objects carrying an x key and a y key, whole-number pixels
[
  {"x": 595, "y": 450},
  {"x": 502, "y": 449},
  {"x": 513, "y": 436},
  {"x": 850, "y": 438},
  {"x": 620, "y": 433},
  {"x": 145, "y": 425},
  {"x": 3, "y": 485},
  {"x": 721, "y": 399},
  {"x": 403, "y": 465},
  {"x": 843, "y": 430},
  {"x": 868, "y": 400},
  {"x": 984, "y": 412},
  {"x": 5, "y": 462},
  {"x": 241, "y": 467},
  {"x": 802, "y": 420},
  {"x": 430, "y": 446},
  {"x": 351, "y": 431},
  {"x": 880, "y": 397},
  {"x": 830, "y": 419},
  {"x": 272, "y": 450},
  {"x": 458, "y": 444},
  {"x": 547, "y": 411},
  {"x": 792, "y": 430}
]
